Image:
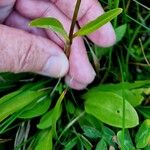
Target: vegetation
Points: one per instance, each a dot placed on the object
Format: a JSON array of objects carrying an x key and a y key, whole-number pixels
[{"x": 38, "y": 112}]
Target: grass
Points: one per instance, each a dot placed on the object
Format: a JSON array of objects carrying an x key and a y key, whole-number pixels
[{"x": 65, "y": 122}]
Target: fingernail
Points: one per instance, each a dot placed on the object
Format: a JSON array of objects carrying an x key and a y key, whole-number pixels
[{"x": 56, "y": 66}]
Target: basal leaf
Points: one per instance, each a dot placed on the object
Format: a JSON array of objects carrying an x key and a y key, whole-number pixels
[
  {"x": 44, "y": 140},
  {"x": 15, "y": 101},
  {"x": 71, "y": 144},
  {"x": 85, "y": 142},
  {"x": 145, "y": 111},
  {"x": 128, "y": 144},
  {"x": 98, "y": 22},
  {"x": 101, "y": 145},
  {"x": 91, "y": 132},
  {"x": 90, "y": 120},
  {"x": 134, "y": 97},
  {"x": 47, "y": 120},
  {"x": 143, "y": 135},
  {"x": 119, "y": 86},
  {"x": 50, "y": 23},
  {"x": 132, "y": 92},
  {"x": 57, "y": 111},
  {"x": 70, "y": 107},
  {"x": 107, "y": 107},
  {"x": 108, "y": 135},
  {"x": 38, "y": 108},
  {"x": 51, "y": 117},
  {"x": 9, "y": 96}
]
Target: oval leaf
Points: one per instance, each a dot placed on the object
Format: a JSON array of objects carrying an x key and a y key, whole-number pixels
[
  {"x": 108, "y": 107},
  {"x": 50, "y": 23},
  {"x": 143, "y": 135},
  {"x": 98, "y": 22},
  {"x": 127, "y": 144},
  {"x": 120, "y": 32}
]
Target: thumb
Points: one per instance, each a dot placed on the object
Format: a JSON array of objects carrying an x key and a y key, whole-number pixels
[{"x": 24, "y": 52}]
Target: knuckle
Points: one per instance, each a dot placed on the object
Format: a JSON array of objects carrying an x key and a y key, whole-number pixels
[
  {"x": 26, "y": 58},
  {"x": 54, "y": 1}
]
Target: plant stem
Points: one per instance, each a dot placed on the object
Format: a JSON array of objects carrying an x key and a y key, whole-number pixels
[{"x": 74, "y": 19}]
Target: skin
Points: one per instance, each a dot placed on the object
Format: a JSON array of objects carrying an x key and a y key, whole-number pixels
[{"x": 26, "y": 49}]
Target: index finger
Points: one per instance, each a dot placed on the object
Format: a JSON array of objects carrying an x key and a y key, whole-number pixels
[
  {"x": 89, "y": 10},
  {"x": 5, "y": 8}
]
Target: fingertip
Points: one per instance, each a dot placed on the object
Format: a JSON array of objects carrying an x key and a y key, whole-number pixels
[
  {"x": 56, "y": 66},
  {"x": 74, "y": 84},
  {"x": 80, "y": 67},
  {"x": 104, "y": 37}
]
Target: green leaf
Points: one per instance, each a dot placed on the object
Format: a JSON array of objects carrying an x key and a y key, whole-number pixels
[
  {"x": 120, "y": 32},
  {"x": 134, "y": 97},
  {"x": 71, "y": 144},
  {"x": 145, "y": 111},
  {"x": 36, "y": 109},
  {"x": 70, "y": 107},
  {"x": 119, "y": 86},
  {"x": 50, "y": 118},
  {"x": 107, "y": 107},
  {"x": 84, "y": 141},
  {"x": 6, "y": 85},
  {"x": 98, "y": 22},
  {"x": 47, "y": 120},
  {"x": 108, "y": 135},
  {"x": 101, "y": 145},
  {"x": 50, "y": 23},
  {"x": 44, "y": 140},
  {"x": 147, "y": 147},
  {"x": 132, "y": 92},
  {"x": 91, "y": 132},
  {"x": 128, "y": 144},
  {"x": 89, "y": 120},
  {"x": 15, "y": 101},
  {"x": 9, "y": 96},
  {"x": 143, "y": 135}
]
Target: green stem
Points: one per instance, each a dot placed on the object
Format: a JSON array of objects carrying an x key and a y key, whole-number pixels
[
  {"x": 124, "y": 104},
  {"x": 74, "y": 19}
]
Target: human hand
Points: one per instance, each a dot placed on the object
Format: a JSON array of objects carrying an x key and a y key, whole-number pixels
[{"x": 41, "y": 51}]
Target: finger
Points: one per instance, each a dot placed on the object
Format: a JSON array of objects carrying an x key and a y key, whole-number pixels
[
  {"x": 104, "y": 36},
  {"x": 20, "y": 22},
  {"x": 81, "y": 72},
  {"x": 89, "y": 10},
  {"x": 24, "y": 52},
  {"x": 5, "y": 8},
  {"x": 80, "y": 68},
  {"x": 74, "y": 83},
  {"x": 43, "y": 9}
]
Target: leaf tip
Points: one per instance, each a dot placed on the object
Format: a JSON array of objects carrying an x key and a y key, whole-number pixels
[{"x": 120, "y": 10}]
